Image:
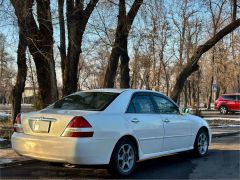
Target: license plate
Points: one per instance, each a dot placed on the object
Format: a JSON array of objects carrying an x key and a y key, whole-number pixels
[{"x": 41, "y": 126}]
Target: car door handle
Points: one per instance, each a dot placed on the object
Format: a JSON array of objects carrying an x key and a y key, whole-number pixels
[
  {"x": 166, "y": 120},
  {"x": 135, "y": 120}
]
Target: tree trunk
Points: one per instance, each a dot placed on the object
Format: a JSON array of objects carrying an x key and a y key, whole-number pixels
[
  {"x": 186, "y": 94},
  {"x": 62, "y": 47},
  {"x": 124, "y": 67},
  {"x": 111, "y": 70},
  {"x": 21, "y": 76},
  {"x": 39, "y": 36},
  {"x": 192, "y": 66},
  {"x": 122, "y": 32},
  {"x": 210, "y": 94},
  {"x": 77, "y": 18}
]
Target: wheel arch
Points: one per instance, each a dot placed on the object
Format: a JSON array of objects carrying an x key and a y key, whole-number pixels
[
  {"x": 205, "y": 129},
  {"x": 223, "y": 105},
  {"x": 132, "y": 139}
]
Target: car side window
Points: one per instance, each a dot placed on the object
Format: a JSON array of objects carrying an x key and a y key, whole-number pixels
[
  {"x": 165, "y": 106},
  {"x": 131, "y": 108},
  {"x": 238, "y": 97},
  {"x": 229, "y": 97},
  {"x": 141, "y": 104}
]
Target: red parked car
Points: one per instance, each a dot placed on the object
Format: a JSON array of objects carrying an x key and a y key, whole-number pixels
[{"x": 228, "y": 103}]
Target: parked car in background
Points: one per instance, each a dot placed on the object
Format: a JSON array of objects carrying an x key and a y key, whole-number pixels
[
  {"x": 111, "y": 127},
  {"x": 228, "y": 103}
]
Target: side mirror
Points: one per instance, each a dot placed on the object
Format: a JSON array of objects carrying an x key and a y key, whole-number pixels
[{"x": 186, "y": 111}]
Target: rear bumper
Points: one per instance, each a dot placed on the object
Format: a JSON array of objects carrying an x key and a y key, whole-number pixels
[{"x": 85, "y": 151}]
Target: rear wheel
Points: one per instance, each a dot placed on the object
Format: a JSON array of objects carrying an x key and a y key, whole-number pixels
[
  {"x": 123, "y": 160},
  {"x": 223, "y": 110},
  {"x": 201, "y": 143}
]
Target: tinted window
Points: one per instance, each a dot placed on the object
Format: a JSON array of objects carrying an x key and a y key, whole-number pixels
[
  {"x": 131, "y": 108},
  {"x": 229, "y": 97},
  {"x": 141, "y": 104},
  {"x": 238, "y": 97},
  {"x": 165, "y": 106},
  {"x": 89, "y": 101}
]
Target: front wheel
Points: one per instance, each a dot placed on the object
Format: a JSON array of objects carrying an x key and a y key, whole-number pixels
[
  {"x": 123, "y": 160},
  {"x": 201, "y": 143},
  {"x": 223, "y": 110}
]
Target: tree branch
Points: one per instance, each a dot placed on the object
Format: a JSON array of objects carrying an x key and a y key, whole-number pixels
[
  {"x": 89, "y": 9},
  {"x": 193, "y": 66},
  {"x": 133, "y": 12},
  {"x": 211, "y": 42}
]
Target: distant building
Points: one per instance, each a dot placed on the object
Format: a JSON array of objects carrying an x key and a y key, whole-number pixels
[{"x": 28, "y": 95}]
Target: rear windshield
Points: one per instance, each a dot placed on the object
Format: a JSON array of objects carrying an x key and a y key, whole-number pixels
[{"x": 88, "y": 101}]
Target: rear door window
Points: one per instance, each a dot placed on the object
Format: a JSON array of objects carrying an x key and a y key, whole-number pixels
[
  {"x": 88, "y": 101},
  {"x": 141, "y": 104}
]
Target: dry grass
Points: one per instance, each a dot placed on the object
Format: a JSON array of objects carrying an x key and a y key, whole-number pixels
[{"x": 6, "y": 128}]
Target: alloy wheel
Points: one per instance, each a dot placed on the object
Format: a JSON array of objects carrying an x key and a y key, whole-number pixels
[
  {"x": 202, "y": 143},
  {"x": 126, "y": 157},
  {"x": 223, "y": 110}
]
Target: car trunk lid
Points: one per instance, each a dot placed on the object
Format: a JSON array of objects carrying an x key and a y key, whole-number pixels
[{"x": 48, "y": 123}]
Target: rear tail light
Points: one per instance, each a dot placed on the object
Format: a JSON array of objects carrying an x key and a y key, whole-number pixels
[
  {"x": 17, "y": 126},
  {"x": 78, "y": 127}
]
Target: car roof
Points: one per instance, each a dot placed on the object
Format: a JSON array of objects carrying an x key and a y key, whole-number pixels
[
  {"x": 104, "y": 90},
  {"x": 115, "y": 90},
  {"x": 232, "y": 94}
]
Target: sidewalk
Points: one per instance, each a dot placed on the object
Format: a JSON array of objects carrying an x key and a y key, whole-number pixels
[{"x": 9, "y": 158}]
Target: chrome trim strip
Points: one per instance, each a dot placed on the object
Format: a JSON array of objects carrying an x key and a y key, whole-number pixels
[{"x": 42, "y": 119}]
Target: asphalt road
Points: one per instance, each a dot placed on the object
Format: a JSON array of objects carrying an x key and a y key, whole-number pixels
[{"x": 222, "y": 162}]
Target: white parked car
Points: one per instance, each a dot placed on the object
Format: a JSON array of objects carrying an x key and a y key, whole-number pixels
[{"x": 109, "y": 127}]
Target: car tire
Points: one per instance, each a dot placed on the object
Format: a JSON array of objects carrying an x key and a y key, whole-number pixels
[
  {"x": 123, "y": 160},
  {"x": 201, "y": 143},
  {"x": 223, "y": 110}
]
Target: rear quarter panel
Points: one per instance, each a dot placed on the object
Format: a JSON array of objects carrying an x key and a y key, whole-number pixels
[{"x": 109, "y": 127}]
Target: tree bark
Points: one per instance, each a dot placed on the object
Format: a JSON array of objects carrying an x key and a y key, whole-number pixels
[
  {"x": 193, "y": 66},
  {"x": 124, "y": 66},
  {"x": 62, "y": 47},
  {"x": 21, "y": 76},
  {"x": 119, "y": 47}
]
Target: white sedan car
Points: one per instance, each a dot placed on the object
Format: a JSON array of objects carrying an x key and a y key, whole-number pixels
[{"x": 109, "y": 127}]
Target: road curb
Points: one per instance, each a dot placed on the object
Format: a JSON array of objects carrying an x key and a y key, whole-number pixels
[{"x": 225, "y": 134}]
